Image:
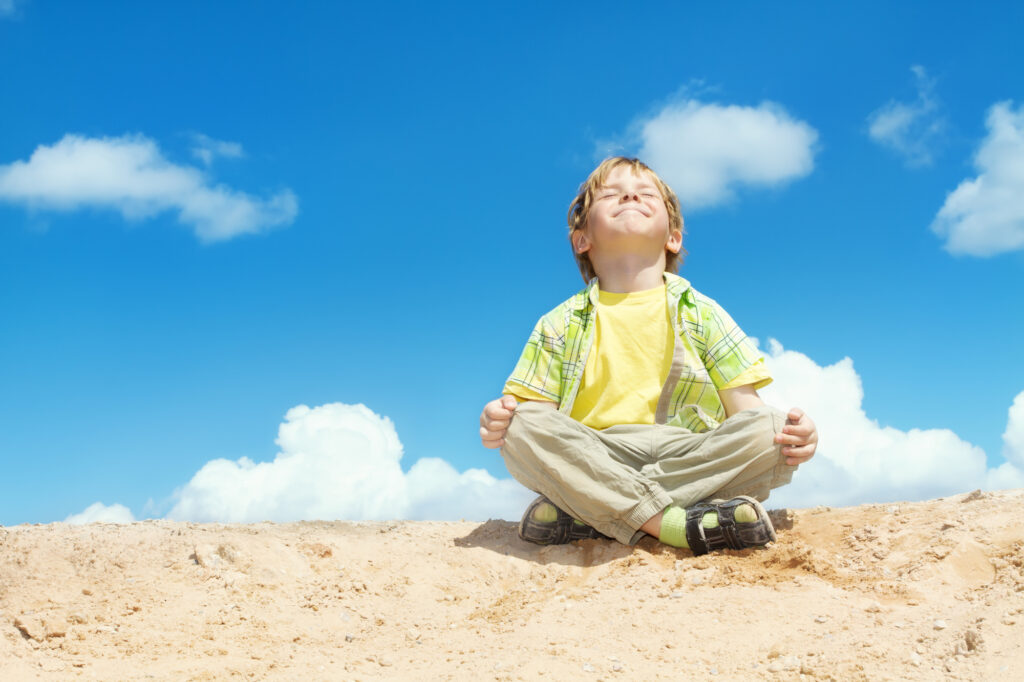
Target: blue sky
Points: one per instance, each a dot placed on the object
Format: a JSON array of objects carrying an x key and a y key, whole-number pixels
[{"x": 212, "y": 214}]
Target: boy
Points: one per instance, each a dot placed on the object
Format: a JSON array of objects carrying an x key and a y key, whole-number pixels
[{"x": 634, "y": 406}]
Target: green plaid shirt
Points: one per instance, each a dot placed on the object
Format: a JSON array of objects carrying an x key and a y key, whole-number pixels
[{"x": 710, "y": 351}]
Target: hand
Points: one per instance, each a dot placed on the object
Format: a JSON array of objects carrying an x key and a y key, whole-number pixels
[
  {"x": 494, "y": 421},
  {"x": 799, "y": 437}
]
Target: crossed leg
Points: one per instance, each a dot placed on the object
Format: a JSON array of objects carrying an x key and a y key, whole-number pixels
[{"x": 618, "y": 479}]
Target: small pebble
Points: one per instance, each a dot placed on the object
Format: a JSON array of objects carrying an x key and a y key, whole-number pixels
[
  {"x": 939, "y": 625},
  {"x": 915, "y": 659},
  {"x": 821, "y": 619},
  {"x": 588, "y": 668}
]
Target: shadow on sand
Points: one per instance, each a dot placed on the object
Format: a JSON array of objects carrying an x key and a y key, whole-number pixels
[{"x": 501, "y": 537}]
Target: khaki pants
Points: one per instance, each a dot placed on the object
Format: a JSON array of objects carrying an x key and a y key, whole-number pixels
[{"x": 616, "y": 479}]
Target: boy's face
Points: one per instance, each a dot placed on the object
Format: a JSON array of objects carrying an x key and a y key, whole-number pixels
[{"x": 627, "y": 214}]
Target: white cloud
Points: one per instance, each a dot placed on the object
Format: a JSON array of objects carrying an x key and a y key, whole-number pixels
[
  {"x": 1013, "y": 437},
  {"x": 98, "y": 512},
  {"x": 984, "y": 216},
  {"x": 859, "y": 461},
  {"x": 129, "y": 174},
  {"x": 706, "y": 151},
  {"x": 343, "y": 462},
  {"x": 206, "y": 149},
  {"x": 340, "y": 461},
  {"x": 911, "y": 129}
]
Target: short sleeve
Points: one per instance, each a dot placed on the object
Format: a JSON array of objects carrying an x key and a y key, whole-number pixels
[
  {"x": 538, "y": 374},
  {"x": 756, "y": 375},
  {"x": 728, "y": 352}
]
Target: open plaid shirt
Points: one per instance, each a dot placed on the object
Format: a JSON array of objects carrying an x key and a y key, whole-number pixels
[{"x": 710, "y": 351}]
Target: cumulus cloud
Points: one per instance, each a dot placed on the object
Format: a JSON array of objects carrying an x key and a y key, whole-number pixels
[
  {"x": 206, "y": 149},
  {"x": 911, "y": 129},
  {"x": 706, "y": 151},
  {"x": 98, "y": 512},
  {"x": 984, "y": 215},
  {"x": 1013, "y": 437},
  {"x": 860, "y": 461},
  {"x": 340, "y": 461},
  {"x": 130, "y": 174}
]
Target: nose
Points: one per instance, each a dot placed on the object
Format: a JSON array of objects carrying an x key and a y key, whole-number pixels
[{"x": 630, "y": 195}]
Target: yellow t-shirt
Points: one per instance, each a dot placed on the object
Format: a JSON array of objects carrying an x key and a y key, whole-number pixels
[{"x": 629, "y": 362}]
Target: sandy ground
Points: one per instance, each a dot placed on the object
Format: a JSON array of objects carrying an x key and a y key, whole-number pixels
[{"x": 931, "y": 590}]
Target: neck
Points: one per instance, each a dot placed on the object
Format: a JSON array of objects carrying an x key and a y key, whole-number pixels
[{"x": 632, "y": 273}]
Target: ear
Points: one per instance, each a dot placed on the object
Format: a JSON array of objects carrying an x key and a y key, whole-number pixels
[
  {"x": 580, "y": 241},
  {"x": 675, "y": 241}
]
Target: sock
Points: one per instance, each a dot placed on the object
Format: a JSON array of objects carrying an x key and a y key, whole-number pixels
[
  {"x": 545, "y": 513},
  {"x": 673, "y": 523},
  {"x": 548, "y": 513}
]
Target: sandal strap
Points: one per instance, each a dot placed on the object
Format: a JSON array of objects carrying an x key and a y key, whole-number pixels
[
  {"x": 727, "y": 525},
  {"x": 695, "y": 536},
  {"x": 728, "y": 533}
]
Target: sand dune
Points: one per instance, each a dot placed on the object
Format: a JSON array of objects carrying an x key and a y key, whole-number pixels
[{"x": 930, "y": 590}]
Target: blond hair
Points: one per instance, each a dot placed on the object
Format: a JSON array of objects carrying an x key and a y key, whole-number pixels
[{"x": 579, "y": 210}]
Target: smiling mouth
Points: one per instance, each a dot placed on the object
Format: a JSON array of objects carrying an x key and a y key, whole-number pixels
[{"x": 637, "y": 210}]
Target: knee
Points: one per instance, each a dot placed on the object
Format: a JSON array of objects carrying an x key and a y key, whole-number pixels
[
  {"x": 761, "y": 425},
  {"x": 771, "y": 425},
  {"x": 527, "y": 443},
  {"x": 528, "y": 416},
  {"x": 526, "y": 421}
]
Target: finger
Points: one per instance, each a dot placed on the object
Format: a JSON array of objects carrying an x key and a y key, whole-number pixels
[
  {"x": 497, "y": 424},
  {"x": 493, "y": 444},
  {"x": 496, "y": 411},
  {"x": 798, "y": 455},
  {"x": 795, "y": 414},
  {"x": 790, "y": 439},
  {"x": 496, "y": 407},
  {"x": 797, "y": 430},
  {"x": 490, "y": 436},
  {"x": 508, "y": 402}
]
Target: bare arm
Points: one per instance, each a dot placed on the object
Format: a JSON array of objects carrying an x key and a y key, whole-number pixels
[{"x": 740, "y": 398}]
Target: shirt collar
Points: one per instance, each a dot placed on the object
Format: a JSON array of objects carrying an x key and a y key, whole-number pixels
[{"x": 676, "y": 286}]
